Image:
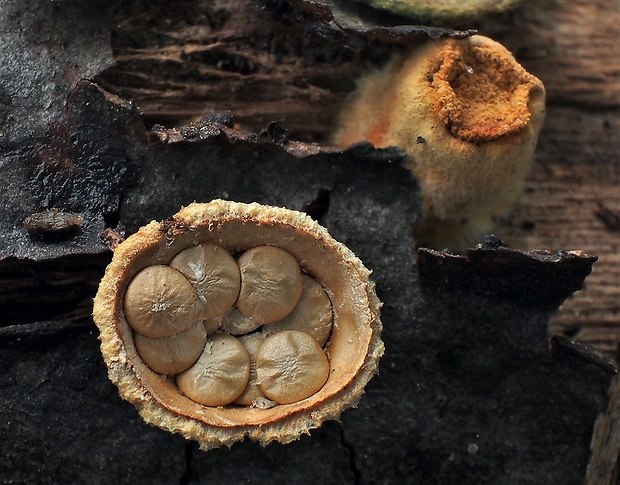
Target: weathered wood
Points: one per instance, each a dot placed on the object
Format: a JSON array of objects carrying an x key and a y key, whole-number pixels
[
  {"x": 571, "y": 199},
  {"x": 576, "y": 170},
  {"x": 605, "y": 463},
  {"x": 571, "y": 45},
  {"x": 235, "y": 56},
  {"x": 226, "y": 56}
]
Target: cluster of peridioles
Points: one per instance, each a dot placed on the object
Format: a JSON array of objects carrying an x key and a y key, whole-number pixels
[{"x": 249, "y": 331}]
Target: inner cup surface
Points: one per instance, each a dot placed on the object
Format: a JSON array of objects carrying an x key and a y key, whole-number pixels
[{"x": 319, "y": 258}]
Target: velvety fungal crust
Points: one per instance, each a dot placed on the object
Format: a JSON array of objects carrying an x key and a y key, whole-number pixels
[
  {"x": 468, "y": 117},
  {"x": 477, "y": 94},
  {"x": 354, "y": 346}
]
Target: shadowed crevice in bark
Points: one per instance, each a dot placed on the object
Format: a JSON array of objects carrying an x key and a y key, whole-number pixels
[{"x": 352, "y": 457}]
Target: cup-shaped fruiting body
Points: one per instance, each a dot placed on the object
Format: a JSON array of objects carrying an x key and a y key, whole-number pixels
[
  {"x": 468, "y": 117},
  {"x": 219, "y": 397}
]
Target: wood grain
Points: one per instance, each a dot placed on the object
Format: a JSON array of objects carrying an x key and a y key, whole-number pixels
[
  {"x": 571, "y": 177},
  {"x": 571, "y": 45},
  {"x": 574, "y": 48}
]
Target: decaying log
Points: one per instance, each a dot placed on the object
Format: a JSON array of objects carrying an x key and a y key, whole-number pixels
[
  {"x": 464, "y": 369},
  {"x": 265, "y": 64},
  {"x": 469, "y": 388}
]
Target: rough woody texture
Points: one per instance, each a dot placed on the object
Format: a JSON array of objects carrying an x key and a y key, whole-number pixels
[{"x": 485, "y": 401}]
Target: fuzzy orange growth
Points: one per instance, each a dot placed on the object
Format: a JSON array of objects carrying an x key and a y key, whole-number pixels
[
  {"x": 478, "y": 92},
  {"x": 372, "y": 121}
]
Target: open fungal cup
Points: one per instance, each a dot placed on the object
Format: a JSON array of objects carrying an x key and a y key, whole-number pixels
[
  {"x": 468, "y": 117},
  {"x": 207, "y": 323}
]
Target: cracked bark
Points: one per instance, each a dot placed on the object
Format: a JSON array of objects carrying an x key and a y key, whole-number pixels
[{"x": 357, "y": 475}]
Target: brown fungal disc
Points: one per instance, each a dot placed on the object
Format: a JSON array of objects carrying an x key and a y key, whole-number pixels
[
  {"x": 236, "y": 323},
  {"x": 354, "y": 344},
  {"x": 211, "y": 325},
  {"x": 252, "y": 394},
  {"x": 213, "y": 273},
  {"x": 160, "y": 302},
  {"x": 270, "y": 283},
  {"x": 171, "y": 355},
  {"x": 312, "y": 314},
  {"x": 220, "y": 374},
  {"x": 290, "y": 366}
]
